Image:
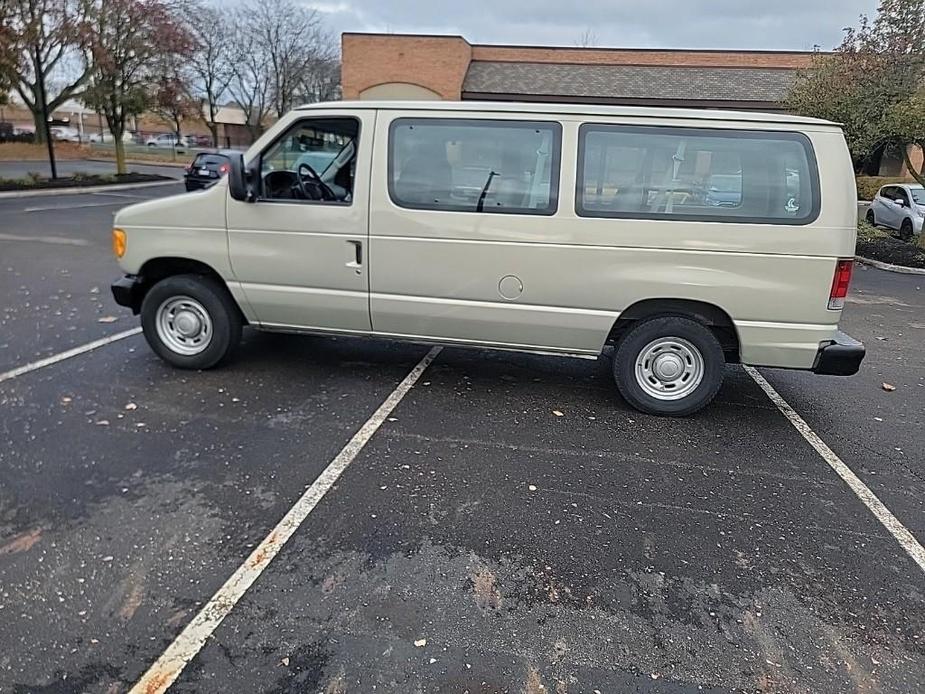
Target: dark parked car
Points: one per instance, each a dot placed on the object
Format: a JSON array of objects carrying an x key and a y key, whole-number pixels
[{"x": 207, "y": 168}]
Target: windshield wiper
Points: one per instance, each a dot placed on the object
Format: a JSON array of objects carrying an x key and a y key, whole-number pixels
[{"x": 481, "y": 203}]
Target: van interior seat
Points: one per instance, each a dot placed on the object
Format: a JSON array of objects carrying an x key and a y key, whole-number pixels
[{"x": 426, "y": 176}]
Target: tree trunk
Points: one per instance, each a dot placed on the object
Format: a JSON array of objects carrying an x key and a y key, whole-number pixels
[
  {"x": 39, "y": 126},
  {"x": 213, "y": 130},
  {"x": 120, "y": 155}
]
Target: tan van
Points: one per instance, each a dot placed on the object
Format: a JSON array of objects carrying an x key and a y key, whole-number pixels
[{"x": 685, "y": 239}]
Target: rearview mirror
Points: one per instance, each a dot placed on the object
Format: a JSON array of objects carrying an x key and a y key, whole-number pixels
[{"x": 240, "y": 179}]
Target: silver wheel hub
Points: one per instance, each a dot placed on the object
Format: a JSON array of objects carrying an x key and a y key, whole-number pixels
[
  {"x": 183, "y": 325},
  {"x": 669, "y": 368},
  {"x": 188, "y": 323}
]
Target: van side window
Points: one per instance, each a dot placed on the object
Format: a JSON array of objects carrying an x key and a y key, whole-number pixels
[
  {"x": 314, "y": 161},
  {"x": 475, "y": 165},
  {"x": 696, "y": 174}
]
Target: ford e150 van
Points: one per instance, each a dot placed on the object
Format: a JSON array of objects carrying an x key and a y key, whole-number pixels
[{"x": 684, "y": 239}]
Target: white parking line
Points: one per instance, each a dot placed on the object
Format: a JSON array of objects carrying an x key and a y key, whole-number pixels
[
  {"x": 905, "y": 538},
  {"x": 49, "y": 208},
  {"x": 184, "y": 648},
  {"x": 58, "y": 240},
  {"x": 61, "y": 356}
]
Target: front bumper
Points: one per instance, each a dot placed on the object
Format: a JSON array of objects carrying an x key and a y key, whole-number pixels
[
  {"x": 841, "y": 357},
  {"x": 128, "y": 291}
]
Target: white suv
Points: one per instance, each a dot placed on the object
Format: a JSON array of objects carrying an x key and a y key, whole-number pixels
[
  {"x": 168, "y": 140},
  {"x": 899, "y": 207}
]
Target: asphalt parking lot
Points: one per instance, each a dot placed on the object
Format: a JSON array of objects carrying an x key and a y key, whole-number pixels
[{"x": 512, "y": 525}]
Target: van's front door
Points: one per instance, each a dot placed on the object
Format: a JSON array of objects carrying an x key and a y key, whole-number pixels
[{"x": 300, "y": 251}]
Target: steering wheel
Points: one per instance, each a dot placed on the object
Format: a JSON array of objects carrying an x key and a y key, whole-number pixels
[{"x": 311, "y": 185}]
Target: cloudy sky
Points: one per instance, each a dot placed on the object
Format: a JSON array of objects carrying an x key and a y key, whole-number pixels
[{"x": 755, "y": 24}]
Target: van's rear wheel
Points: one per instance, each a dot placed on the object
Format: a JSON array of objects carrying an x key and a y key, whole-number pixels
[
  {"x": 190, "y": 321},
  {"x": 669, "y": 366},
  {"x": 905, "y": 230},
  {"x": 871, "y": 219}
]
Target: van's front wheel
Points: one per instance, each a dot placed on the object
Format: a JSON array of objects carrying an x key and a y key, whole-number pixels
[
  {"x": 669, "y": 366},
  {"x": 190, "y": 321}
]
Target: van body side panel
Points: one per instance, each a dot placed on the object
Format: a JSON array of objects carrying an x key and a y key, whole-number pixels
[
  {"x": 296, "y": 260},
  {"x": 436, "y": 274}
]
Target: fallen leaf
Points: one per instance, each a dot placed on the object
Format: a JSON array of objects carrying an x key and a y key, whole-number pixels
[
  {"x": 420, "y": 643},
  {"x": 131, "y": 406},
  {"x": 107, "y": 319},
  {"x": 284, "y": 662},
  {"x": 532, "y": 488},
  {"x": 65, "y": 400},
  {"x": 108, "y": 558},
  {"x": 103, "y": 423},
  {"x": 889, "y": 387},
  {"x": 557, "y": 413}
]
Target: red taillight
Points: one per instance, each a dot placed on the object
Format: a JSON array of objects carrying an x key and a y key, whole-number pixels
[
  {"x": 223, "y": 169},
  {"x": 840, "y": 284}
]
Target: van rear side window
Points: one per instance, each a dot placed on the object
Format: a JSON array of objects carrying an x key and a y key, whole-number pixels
[
  {"x": 474, "y": 165},
  {"x": 694, "y": 174}
]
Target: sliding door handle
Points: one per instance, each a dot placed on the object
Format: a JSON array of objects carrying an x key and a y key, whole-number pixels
[{"x": 356, "y": 256}]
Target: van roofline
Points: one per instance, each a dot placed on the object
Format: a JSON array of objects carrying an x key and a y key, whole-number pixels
[{"x": 580, "y": 110}]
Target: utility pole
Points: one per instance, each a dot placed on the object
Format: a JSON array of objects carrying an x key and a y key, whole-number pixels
[{"x": 40, "y": 77}]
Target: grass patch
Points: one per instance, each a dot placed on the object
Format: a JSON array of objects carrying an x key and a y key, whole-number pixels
[
  {"x": 34, "y": 181},
  {"x": 867, "y": 231},
  {"x": 878, "y": 244},
  {"x": 26, "y": 151}
]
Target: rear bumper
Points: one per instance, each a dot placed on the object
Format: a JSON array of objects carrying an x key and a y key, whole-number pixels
[
  {"x": 841, "y": 357},
  {"x": 128, "y": 291}
]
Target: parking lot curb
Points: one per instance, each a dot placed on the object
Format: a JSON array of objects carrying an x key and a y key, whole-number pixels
[
  {"x": 83, "y": 191},
  {"x": 888, "y": 267},
  {"x": 141, "y": 162}
]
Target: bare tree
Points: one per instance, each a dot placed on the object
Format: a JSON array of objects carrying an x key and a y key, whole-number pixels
[
  {"x": 588, "y": 39},
  {"x": 127, "y": 38},
  {"x": 172, "y": 99},
  {"x": 41, "y": 35},
  {"x": 250, "y": 83},
  {"x": 320, "y": 80},
  {"x": 211, "y": 65},
  {"x": 294, "y": 42}
]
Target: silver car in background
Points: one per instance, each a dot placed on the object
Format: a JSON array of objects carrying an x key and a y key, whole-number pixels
[{"x": 899, "y": 207}]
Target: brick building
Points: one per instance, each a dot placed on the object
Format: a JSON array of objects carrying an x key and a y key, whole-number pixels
[
  {"x": 390, "y": 66},
  {"x": 420, "y": 67}
]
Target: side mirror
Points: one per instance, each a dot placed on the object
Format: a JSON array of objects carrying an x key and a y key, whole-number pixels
[{"x": 241, "y": 180}]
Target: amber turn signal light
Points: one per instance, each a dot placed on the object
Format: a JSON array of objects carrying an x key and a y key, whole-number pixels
[{"x": 118, "y": 242}]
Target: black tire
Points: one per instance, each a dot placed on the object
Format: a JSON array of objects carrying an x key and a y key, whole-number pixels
[
  {"x": 643, "y": 334},
  {"x": 222, "y": 311},
  {"x": 905, "y": 230},
  {"x": 871, "y": 218}
]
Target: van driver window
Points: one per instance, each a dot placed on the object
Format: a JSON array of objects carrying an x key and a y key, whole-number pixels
[
  {"x": 315, "y": 161},
  {"x": 474, "y": 165},
  {"x": 696, "y": 174}
]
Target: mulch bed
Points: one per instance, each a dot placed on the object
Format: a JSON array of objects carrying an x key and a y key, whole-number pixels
[
  {"x": 889, "y": 250},
  {"x": 84, "y": 181}
]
